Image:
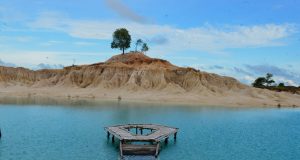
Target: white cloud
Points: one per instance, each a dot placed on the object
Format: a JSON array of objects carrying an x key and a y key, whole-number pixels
[
  {"x": 48, "y": 66},
  {"x": 82, "y": 43},
  {"x": 247, "y": 79},
  {"x": 2, "y": 63},
  {"x": 31, "y": 59},
  {"x": 22, "y": 57},
  {"x": 22, "y": 39},
  {"x": 286, "y": 81},
  {"x": 203, "y": 38},
  {"x": 51, "y": 43},
  {"x": 124, "y": 11}
]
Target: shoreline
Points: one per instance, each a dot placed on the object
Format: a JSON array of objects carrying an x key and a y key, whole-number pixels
[
  {"x": 136, "y": 77},
  {"x": 144, "y": 97}
]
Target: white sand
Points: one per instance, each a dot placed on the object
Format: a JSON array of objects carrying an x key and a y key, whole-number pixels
[{"x": 234, "y": 99}]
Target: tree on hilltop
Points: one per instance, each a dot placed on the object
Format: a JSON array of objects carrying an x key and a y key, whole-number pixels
[
  {"x": 138, "y": 43},
  {"x": 269, "y": 80},
  {"x": 145, "y": 47},
  {"x": 259, "y": 82},
  {"x": 281, "y": 85},
  {"x": 262, "y": 82},
  {"x": 121, "y": 39}
]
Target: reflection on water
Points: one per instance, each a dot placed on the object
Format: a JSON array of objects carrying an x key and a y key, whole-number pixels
[
  {"x": 45, "y": 128},
  {"x": 52, "y": 101},
  {"x": 140, "y": 158}
]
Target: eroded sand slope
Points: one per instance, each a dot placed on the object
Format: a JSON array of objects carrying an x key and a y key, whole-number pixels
[{"x": 134, "y": 76}]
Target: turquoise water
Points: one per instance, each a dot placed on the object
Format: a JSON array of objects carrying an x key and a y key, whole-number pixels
[{"x": 75, "y": 131}]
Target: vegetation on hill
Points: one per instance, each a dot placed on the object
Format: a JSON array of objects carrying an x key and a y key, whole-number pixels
[
  {"x": 145, "y": 48},
  {"x": 268, "y": 83},
  {"x": 122, "y": 41}
]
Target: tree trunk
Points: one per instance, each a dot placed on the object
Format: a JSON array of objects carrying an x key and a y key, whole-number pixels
[{"x": 123, "y": 51}]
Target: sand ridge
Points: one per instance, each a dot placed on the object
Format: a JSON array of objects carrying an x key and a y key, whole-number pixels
[{"x": 135, "y": 76}]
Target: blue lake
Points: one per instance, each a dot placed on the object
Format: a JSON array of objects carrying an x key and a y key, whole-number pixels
[{"x": 74, "y": 131}]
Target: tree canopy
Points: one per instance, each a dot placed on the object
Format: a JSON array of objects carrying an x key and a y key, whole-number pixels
[
  {"x": 145, "y": 47},
  {"x": 281, "y": 85},
  {"x": 121, "y": 39},
  {"x": 138, "y": 43},
  {"x": 261, "y": 82},
  {"x": 269, "y": 80},
  {"x": 268, "y": 83}
]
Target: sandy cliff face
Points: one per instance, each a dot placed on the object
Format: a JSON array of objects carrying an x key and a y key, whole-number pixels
[
  {"x": 136, "y": 73},
  {"x": 129, "y": 71}
]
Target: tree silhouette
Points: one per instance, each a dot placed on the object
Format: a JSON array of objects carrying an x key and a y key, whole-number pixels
[
  {"x": 145, "y": 47},
  {"x": 138, "y": 43},
  {"x": 121, "y": 39},
  {"x": 259, "y": 82},
  {"x": 269, "y": 79},
  {"x": 262, "y": 82},
  {"x": 281, "y": 85}
]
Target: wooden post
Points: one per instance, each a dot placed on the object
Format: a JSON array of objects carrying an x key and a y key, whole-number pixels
[
  {"x": 108, "y": 135},
  {"x": 113, "y": 139},
  {"x": 166, "y": 140},
  {"x": 121, "y": 149},
  {"x": 175, "y": 136},
  {"x": 141, "y": 131},
  {"x": 157, "y": 150}
]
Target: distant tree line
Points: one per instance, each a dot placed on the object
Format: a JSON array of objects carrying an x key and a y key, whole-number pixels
[
  {"x": 268, "y": 83},
  {"x": 122, "y": 41}
]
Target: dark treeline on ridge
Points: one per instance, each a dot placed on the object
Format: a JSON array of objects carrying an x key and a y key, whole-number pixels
[{"x": 268, "y": 83}]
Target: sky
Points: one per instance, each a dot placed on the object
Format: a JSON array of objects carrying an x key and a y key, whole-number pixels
[{"x": 243, "y": 39}]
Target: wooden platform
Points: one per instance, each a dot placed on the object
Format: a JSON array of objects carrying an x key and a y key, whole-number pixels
[
  {"x": 157, "y": 134},
  {"x": 130, "y": 149}
]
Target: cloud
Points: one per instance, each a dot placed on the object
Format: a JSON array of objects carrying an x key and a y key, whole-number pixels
[
  {"x": 55, "y": 42},
  {"x": 37, "y": 67},
  {"x": 159, "y": 40},
  {"x": 216, "y": 67},
  {"x": 125, "y": 11},
  {"x": 22, "y": 39},
  {"x": 51, "y": 57},
  {"x": 81, "y": 43},
  {"x": 205, "y": 66},
  {"x": 263, "y": 69},
  {"x": 48, "y": 66},
  {"x": 280, "y": 74},
  {"x": 9, "y": 14},
  {"x": 248, "y": 73},
  {"x": 2, "y": 63},
  {"x": 242, "y": 71},
  {"x": 51, "y": 43},
  {"x": 286, "y": 81},
  {"x": 247, "y": 79},
  {"x": 203, "y": 38}
]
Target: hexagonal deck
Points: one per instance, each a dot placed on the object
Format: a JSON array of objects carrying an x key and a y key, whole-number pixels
[{"x": 157, "y": 134}]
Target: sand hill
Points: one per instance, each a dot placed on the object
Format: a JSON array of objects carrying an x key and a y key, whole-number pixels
[{"x": 135, "y": 76}]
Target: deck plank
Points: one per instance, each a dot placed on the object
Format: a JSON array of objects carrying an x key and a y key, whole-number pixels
[
  {"x": 129, "y": 149},
  {"x": 161, "y": 132}
]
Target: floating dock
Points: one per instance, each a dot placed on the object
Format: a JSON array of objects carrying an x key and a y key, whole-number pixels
[{"x": 140, "y": 139}]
